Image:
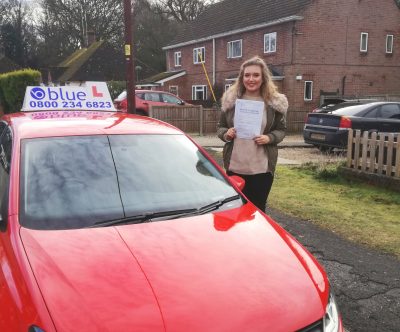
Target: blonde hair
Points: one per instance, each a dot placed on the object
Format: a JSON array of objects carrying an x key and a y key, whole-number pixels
[{"x": 267, "y": 89}]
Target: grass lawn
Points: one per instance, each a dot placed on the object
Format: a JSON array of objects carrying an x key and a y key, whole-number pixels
[{"x": 359, "y": 212}]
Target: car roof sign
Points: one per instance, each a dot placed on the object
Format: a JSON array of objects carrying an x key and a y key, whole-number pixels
[{"x": 88, "y": 96}]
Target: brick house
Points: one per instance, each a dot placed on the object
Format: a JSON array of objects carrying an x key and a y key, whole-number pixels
[{"x": 347, "y": 47}]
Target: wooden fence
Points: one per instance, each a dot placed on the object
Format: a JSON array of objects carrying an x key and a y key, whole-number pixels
[
  {"x": 377, "y": 153},
  {"x": 196, "y": 119}
]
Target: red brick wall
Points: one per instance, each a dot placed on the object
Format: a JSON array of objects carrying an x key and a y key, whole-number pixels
[{"x": 324, "y": 48}]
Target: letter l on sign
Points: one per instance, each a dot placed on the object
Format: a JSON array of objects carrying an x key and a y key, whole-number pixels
[{"x": 95, "y": 93}]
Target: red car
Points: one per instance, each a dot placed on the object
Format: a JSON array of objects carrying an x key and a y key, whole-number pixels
[
  {"x": 113, "y": 222},
  {"x": 146, "y": 98}
]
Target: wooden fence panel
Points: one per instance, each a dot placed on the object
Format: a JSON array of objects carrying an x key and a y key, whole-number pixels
[
  {"x": 195, "y": 119},
  {"x": 186, "y": 118},
  {"x": 374, "y": 152}
]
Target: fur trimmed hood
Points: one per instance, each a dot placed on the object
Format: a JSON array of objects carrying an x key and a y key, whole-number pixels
[{"x": 278, "y": 102}]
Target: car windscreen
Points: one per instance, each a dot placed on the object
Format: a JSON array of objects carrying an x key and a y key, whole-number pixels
[{"x": 76, "y": 182}]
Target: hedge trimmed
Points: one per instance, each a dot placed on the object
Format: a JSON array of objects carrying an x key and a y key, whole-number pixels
[{"x": 13, "y": 86}]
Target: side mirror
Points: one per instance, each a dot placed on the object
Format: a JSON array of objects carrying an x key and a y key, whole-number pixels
[
  {"x": 238, "y": 181},
  {"x": 181, "y": 102}
]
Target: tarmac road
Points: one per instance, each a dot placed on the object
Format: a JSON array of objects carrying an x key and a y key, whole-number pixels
[{"x": 366, "y": 282}]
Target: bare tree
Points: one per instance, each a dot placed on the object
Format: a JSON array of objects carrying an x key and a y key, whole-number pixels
[
  {"x": 16, "y": 31},
  {"x": 183, "y": 10},
  {"x": 66, "y": 24}
]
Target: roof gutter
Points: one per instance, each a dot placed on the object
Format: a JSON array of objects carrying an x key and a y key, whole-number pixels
[{"x": 233, "y": 32}]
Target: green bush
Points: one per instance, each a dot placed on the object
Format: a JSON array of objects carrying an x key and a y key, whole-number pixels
[
  {"x": 115, "y": 88},
  {"x": 13, "y": 86}
]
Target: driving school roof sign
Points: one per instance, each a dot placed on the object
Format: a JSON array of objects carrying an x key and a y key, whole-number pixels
[{"x": 91, "y": 96}]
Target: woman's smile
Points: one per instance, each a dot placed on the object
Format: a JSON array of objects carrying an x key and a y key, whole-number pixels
[{"x": 252, "y": 79}]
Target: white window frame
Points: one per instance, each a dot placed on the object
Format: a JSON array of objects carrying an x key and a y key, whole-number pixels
[
  {"x": 199, "y": 88},
  {"x": 310, "y": 83},
  {"x": 174, "y": 87},
  {"x": 389, "y": 44},
  {"x": 364, "y": 35},
  {"x": 178, "y": 59},
  {"x": 230, "y": 48},
  {"x": 196, "y": 51},
  {"x": 268, "y": 37}
]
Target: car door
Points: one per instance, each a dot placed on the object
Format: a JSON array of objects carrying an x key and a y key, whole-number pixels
[
  {"x": 389, "y": 118},
  {"x": 368, "y": 121}
]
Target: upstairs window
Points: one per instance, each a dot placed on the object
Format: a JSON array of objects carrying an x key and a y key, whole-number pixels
[
  {"x": 270, "y": 42},
  {"x": 199, "y": 92},
  {"x": 199, "y": 55},
  {"x": 235, "y": 49},
  {"x": 174, "y": 89},
  {"x": 308, "y": 87},
  {"x": 364, "y": 42},
  {"x": 177, "y": 58},
  {"x": 389, "y": 44}
]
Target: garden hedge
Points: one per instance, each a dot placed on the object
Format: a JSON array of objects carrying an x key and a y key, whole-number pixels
[{"x": 13, "y": 86}]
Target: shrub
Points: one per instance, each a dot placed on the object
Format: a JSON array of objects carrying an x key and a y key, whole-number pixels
[
  {"x": 13, "y": 86},
  {"x": 115, "y": 88}
]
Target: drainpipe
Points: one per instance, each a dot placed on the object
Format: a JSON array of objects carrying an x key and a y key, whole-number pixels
[
  {"x": 213, "y": 63},
  {"x": 343, "y": 84}
]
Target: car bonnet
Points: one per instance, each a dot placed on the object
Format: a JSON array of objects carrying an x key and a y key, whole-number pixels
[{"x": 221, "y": 271}]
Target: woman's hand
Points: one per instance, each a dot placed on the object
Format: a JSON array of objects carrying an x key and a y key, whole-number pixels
[
  {"x": 261, "y": 139},
  {"x": 230, "y": 134}
]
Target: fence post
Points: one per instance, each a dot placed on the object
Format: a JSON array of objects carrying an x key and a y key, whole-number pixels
[
  {"x": 364, "y": 152},
  {"x": 201, "y": 121},
  {"x": 349, "y": 147},
  {"x": 389, "y": 154},
  {"x": 381, "y": 145},
  {"x": 397, "y": 164},
  {"x": 150, "y": 111},
  {"x": 357, "y": 149},
  {"x": 372, "y": 152}
]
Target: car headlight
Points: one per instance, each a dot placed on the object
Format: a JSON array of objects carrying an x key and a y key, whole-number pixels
[{"x": 331, "y": 318}]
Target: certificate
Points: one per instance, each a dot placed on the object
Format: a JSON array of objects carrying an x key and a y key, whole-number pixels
[{"x": 248, "y": 118}]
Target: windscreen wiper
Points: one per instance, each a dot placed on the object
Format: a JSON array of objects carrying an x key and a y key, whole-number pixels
[
  {"x": 144, "y": 217},
  {"x": 215, "y": 205},
  {"x": 141, "y": 218}
]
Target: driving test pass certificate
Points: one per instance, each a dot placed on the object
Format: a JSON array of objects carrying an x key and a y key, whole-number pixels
[{"x": 248, "y": 118}]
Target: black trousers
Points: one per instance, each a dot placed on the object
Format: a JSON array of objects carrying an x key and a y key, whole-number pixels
[{"x": 257, "y": 187}]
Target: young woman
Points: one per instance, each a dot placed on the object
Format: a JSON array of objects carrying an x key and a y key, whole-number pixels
[{"x": 254, "y": 159}]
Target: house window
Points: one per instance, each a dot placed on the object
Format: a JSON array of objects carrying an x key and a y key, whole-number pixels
[
  {"x": 270, "y": 42},
  {"x": 389, "y": 44},
  {"x": 173, "y": 89},
  {"x": 199, "y": 92},
  {"x": 199, "y": 55},
  {"x": 308, "y": 87},
  {"x": 364, "y": 42},
  {"x": 235, "y": 49},
  {"x": 177, "y": 58}
]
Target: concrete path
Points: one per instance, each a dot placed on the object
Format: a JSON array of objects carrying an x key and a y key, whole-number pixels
[{"x": 294, "y": 141}]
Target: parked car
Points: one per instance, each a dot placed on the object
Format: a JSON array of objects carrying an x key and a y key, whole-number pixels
[
  {"x": 333, "y": 105},
  {"x": 146, "y": 98},
  {"x": 112, "y": 223},
  {"x": 330, "y": 130}
]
